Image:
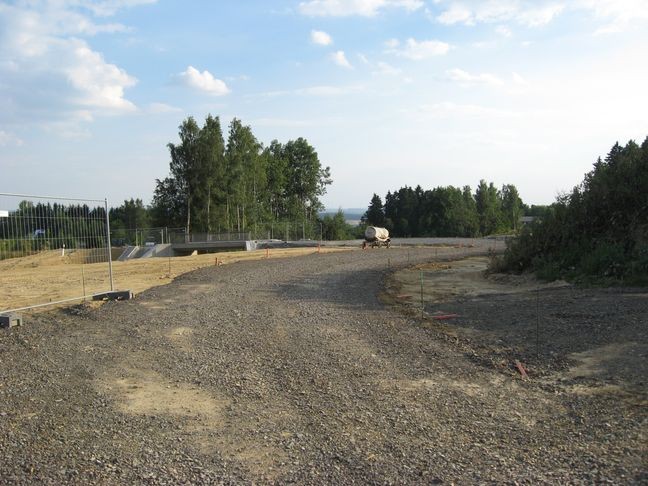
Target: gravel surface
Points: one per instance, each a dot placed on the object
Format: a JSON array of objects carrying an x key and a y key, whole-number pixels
[{"x": 289, "y": 371}]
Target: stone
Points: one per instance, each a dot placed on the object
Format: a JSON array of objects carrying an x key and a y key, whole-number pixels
[{"x": 10, "y": 320}]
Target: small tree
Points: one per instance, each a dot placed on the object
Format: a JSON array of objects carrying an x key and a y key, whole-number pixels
[
  {"x": 335, "y": 227},
  {"x": 511, "y": 206}
]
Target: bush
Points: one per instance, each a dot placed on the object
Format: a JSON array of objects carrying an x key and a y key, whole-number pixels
[
  {"x": 606, "y": 260},
  {"x": 598, "y": 231}
]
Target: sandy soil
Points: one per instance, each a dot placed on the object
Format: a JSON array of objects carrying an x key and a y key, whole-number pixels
[{"x": 50, "y": 277}]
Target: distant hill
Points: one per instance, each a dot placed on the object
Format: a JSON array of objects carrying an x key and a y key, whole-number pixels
[
  {"x": 351, "y": 215},
  {"x": 347, "y": 211}
]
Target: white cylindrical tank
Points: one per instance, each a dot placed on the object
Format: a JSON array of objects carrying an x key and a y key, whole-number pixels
[{"x": 373, "y": 233}]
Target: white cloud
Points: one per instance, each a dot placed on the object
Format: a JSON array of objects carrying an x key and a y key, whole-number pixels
[
  {"x": 457, "y": 14},
  {"x": 419, "y": 50},
  {"x": 51, "y": 77},
  {"x": 240, "y": 77},
  {"x": 340, "y": 59},
  {"x": 620, "y": 14},
  {"x": 162, "y": 108},
  {"x": 448, "y": 109},
  {"x": 517, "y": 79},
  {"x": 342, "y": 8},
  {"x": 392, "y": 43},
  {"x": 329, "y": 90},
  {"x": 107, "y": 8},
  {"x": 317, "y": 91},
  {"x": 503, "y": 31},
  {"x": 280, "y": 122},
  {"x": 99, "y": 84},
  {"x": 528, "y": 13},
  {"x": 537, "y": 17},
  {"x": 203, "y": 81},
  {"x": 387, "y": 69},
  {"x": 7, "y": 139},
  {"x": 466, "y": 78},
  {"x": 485, "y": 44},
  {"x": 363, "y": 59},
  {"x": 72, "y": 127},
  {"x": 321, "y": 38}
]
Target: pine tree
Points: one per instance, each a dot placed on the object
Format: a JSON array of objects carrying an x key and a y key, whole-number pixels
[{"x": 375, "y": 215}]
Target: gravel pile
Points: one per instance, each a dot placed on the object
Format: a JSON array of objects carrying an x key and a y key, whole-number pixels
[{"x": 289, "y": 371}]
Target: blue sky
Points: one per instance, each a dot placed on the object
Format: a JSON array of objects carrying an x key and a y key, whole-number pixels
[{"x": 389, "y": 92}]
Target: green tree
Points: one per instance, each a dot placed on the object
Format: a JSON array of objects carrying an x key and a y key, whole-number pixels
[
  {"x": 375, "y": 215},
  {"x": 241, "y": 154},
  {"x": 130, "y": 215},
  {"x": 211, "y": 173},
  {"x": 512, "y": 207},
  {"x": 185, "y": 165},
  {"x": 169, "y": 205},
  {"x": 488, "y": 202},
  {"x": 277, "y": 179},
  {"x": 306, "y": 179},
  {"x": 335, "y": 227},
  {"x": 600, "y": 229},
  {"x": 237, "y": 184}
]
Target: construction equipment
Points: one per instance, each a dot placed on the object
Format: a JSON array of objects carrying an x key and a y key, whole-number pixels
[{"x": 375, "y": 237}]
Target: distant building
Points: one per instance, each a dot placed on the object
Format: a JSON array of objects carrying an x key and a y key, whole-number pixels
[{"x": 527, "y": 219}]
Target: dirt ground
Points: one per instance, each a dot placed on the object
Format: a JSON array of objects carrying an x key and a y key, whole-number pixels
[
  {"x": 294, "y": 370},
  {"x": 594, "y": 340},
  {"x": 50, "y": 277}
]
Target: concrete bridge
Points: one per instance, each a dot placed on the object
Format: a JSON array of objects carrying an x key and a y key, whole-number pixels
[{"x": 201, "y": 247}]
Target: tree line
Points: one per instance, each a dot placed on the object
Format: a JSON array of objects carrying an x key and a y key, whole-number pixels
[
  {"x": 42, "y": 226},
  {"x": 216, "y": 185},
  {"x": 447, "y": 211},
  {"x": 598, "y": 230}
]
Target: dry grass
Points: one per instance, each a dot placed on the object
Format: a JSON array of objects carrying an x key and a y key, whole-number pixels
[{"x": 49, "y": 277}]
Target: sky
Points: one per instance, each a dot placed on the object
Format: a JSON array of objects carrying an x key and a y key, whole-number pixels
[{"x": 389, "y": 92}]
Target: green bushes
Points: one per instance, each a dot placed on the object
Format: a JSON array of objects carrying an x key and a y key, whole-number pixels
[{"x": 598, "y": 232}]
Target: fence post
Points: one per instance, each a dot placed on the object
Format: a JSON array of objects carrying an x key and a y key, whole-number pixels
[
  {"x": 34, "y": 225},
  {"x": 110, "y": 268}
]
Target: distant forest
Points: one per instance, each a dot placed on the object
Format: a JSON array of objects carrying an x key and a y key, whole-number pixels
[{"x": 449, "y": 211}]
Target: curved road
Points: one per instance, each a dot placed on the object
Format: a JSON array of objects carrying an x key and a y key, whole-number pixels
[{"x": 279, "y": 371}]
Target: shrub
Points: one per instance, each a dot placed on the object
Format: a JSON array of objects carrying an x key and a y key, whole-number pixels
[{"x": 599, "y": 230}]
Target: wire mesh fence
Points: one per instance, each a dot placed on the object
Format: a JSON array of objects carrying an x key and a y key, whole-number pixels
[
  {"x": 40, "y": 232},
  {"x": 287, "y": 231},
  {"x": 277, "y": 230}
]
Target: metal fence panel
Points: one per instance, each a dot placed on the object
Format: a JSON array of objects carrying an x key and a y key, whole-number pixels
[{"x": 52, "y": 250}]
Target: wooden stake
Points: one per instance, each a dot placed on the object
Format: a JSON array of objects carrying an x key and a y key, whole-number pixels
[{"x": 422, "y": 302}]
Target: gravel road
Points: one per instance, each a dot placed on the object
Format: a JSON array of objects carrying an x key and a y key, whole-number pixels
[{"x": 289, "y": 371}]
